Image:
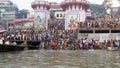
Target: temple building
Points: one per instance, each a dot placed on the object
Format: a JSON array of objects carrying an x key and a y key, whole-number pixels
[
  {"x": 41, "y": 8},
  {"x": 57, "y": 11},
  {"x": 66, "y": 10},
  {"x": 75, "y": 12}
]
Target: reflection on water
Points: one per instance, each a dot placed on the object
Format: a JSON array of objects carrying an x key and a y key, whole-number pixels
[{"x": 60, "y": 59}]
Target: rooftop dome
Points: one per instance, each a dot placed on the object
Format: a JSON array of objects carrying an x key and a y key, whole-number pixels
[
  {"x": 82, "y": 3},
  {"x": 39, "y": 3}
]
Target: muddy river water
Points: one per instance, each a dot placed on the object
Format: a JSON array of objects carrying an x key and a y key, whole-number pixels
[{"x": 60, "y": 59}]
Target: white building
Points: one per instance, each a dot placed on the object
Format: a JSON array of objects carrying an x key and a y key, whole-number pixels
[
  {"x": 59, "y": 14},
  {"x": 7, "y": 10},
  {"x": 57, "y": 10}
]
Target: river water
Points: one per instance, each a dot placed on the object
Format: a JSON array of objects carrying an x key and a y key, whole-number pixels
[{"x": 60, "y": 59}]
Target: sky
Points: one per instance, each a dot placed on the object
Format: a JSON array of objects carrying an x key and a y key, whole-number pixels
[{"x": 26, "y": 4}]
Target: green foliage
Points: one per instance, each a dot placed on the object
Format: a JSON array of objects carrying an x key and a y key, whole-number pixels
[{"x": 97, "y": 9}]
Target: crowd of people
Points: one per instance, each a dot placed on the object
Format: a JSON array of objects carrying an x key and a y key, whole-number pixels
[
  {"x": 58, "y": 40},
  {"x": 101, "y": 23}
]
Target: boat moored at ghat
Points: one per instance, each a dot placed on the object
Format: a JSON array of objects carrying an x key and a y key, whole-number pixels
[
  {"x": 8, "y": 45},
  {"x": 112, "y": 48},
  {"x": 33, "y": 44},
  {"x": 9, "y": 48}
]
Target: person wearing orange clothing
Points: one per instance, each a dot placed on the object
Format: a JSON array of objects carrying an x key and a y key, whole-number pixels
[{"x": 111, "y": 43}]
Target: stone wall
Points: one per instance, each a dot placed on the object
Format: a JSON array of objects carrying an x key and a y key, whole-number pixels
[{"x": 100, "y": 36}]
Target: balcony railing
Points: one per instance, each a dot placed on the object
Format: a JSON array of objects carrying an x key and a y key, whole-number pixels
[{"x": 100, "y": 27}]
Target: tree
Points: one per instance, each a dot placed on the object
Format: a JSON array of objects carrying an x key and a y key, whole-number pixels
[
  {"x": 97, "y": 9},
  {"x": 118, "y": 12},
  {"x": 119, "y": 0},
  {"x": 22, "y": 13}
]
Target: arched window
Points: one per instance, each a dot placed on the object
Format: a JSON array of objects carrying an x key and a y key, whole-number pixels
[
  {"x": 61, "y": 15},
  {"x": 57, "y": 15}
]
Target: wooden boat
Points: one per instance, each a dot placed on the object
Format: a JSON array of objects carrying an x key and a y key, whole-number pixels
[
  {"x": 33, "y": 44},
  {"x": 112, "y": 48},
  {"x": 19, "y": 42},
  {"x": 8, "y": 48}
]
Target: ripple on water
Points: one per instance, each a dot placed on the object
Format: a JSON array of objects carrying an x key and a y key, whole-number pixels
[{"x": 60, "y": 59}]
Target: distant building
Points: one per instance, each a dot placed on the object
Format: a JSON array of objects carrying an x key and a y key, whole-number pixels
[
  {"x": 30, "y": 14},
  {"x": 115, "y": 11},
  {"x": 7, "y": 10},
  {"x": 59, "y": 14}
]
